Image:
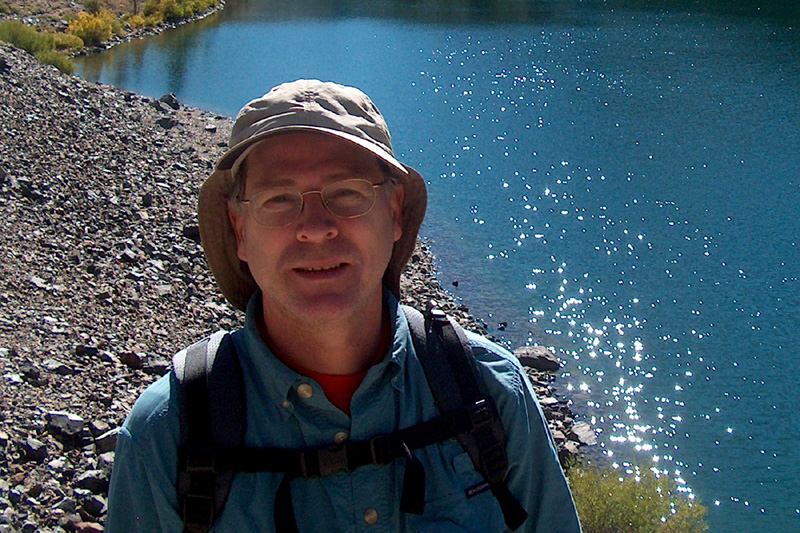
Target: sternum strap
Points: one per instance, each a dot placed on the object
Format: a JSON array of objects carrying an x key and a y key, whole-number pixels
[{"x": 328, "y": 460}]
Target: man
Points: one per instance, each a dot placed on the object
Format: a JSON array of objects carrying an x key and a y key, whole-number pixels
[{"x": 307, "y": 223}]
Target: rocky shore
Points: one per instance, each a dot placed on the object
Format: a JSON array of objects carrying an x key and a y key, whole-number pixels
[{"x": 103, "y": 279}]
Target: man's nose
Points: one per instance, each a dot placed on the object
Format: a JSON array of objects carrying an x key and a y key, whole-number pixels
[{"x": 316, "y": 223}]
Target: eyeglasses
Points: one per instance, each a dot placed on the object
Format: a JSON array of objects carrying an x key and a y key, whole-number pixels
[{"x": 276, "y": 207}]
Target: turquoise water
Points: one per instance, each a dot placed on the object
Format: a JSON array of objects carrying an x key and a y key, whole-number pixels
[{"x": 620, "y": 183}]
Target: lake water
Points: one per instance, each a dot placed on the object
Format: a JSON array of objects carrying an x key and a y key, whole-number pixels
[{"x": 618, "y": 181}]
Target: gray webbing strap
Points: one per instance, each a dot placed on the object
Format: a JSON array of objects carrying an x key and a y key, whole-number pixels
[{"x": 208, "y": 369}]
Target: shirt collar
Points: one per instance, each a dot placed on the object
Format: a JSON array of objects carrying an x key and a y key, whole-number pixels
[{"x": 279, "y": 380}]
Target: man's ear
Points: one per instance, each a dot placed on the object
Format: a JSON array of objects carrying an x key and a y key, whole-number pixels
[
  {"x": 237, "y": 221},
  {"x": 398, "y": 194}
]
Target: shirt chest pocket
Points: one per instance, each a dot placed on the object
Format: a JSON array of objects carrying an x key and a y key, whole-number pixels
[{"x": 459, "y": 500}]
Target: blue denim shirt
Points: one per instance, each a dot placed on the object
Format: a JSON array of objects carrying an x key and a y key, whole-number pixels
[{"x": 393, "y": 395}]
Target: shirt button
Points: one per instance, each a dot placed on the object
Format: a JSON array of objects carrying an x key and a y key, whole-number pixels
[
  {"x": 371, "y": 516},
  {"x": 340, "y": 437},
  {"x": 287, "y": 404},
  {"x": 305, "y": 391}
]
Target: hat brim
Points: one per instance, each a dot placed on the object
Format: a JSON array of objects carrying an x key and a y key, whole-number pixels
[{"x": 219, "y": 240}]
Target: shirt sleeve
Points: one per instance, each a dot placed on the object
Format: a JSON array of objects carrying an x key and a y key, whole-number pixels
[
  {"x": 142, "y": 495},
  {"x": 535, "y": 476}
]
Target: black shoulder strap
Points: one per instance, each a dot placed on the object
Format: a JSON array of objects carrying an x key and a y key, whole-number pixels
[
  {"x": 446, "y": 358},
  {"x": 208, "y": 369}
]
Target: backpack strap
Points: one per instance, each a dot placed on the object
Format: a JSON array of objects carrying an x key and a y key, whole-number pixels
[
  {"x": 207, "y": 369},
  {"x": 446, "y": 358},
  {"x": 212, "y": 432}
]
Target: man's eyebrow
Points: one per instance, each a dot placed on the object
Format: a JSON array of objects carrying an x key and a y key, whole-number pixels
[{"x": 277, "y": 181}]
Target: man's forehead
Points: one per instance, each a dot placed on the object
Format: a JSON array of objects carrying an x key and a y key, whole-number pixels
[{"x": 289, "y": 157}]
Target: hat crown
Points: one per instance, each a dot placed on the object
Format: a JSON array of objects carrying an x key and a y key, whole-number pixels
[{"x": 312, "y": 104}]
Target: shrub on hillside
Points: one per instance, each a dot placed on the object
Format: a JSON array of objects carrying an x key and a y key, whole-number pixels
[
  {"x": 154, "y": 19},
  {"x": 6, "y": 8},
  {"x": 60, "y": 61},
  {"x": 38, "y": 44},
  {"x": 174, "y": 10},
  {"x": 67, "y": 41},
  {"x": 95, "y": 29},
  {"x": 609, "y": 503},
  {"x": 135, "y": 22},
  {"x": 25, "y": 37},
  {"x": 93, "y": 7}
]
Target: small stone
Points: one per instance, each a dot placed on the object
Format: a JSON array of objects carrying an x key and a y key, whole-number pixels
[
  {"x": 147, "y": 200},
  {"x": 107, "y": 441},
  {"x": 95, "y": 481},
  {"x": 585, "y": 434},
  {"x": 192, "y": 232},
  {"x": 69, "y": 521},
  {"x": 170, "y": 100},
  {"x": 95, "y": 505},
  {"x": 63, "y": 424},
  {"x": 11, "y": 377},
  {"x": 157, "y": 368},
  {"x": 167, "y": 122},
  {"x": 57, "y": 465},
  {"x": 30, "y": 372},
  {"x": 39, "y": 283},
  {"x": 34, "y": 449},
  {"x": 131, "y": 360},
  {"x": 57, "y": 367},
  {"x": 67, "y": 504},
  {"x": 86, "y": 350},
  {"x": 548, "y": 401},
  {"x": 163, "y": 290},
  {"x": 98, "y": 427},
  {"x": 538, "y": 357},
  {"x": 87, "y": 527},
  {"x": 105, "y": 462},
  {"x": 129, "y": 256}
]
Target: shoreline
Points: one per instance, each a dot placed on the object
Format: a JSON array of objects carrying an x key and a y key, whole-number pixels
[
  {"x": 105, "y": 278},
  {"x": 142, "y": 33}
]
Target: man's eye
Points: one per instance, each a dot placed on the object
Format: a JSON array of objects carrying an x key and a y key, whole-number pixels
[
  {"x": 346, "y": 195},
  {"x": 276, "y": 201}
]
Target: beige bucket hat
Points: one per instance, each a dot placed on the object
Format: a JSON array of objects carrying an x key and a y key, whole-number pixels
[{"x": 303, "y": 105}]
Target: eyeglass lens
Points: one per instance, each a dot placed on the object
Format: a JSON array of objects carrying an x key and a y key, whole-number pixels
[{"x": 345, "y": 199}]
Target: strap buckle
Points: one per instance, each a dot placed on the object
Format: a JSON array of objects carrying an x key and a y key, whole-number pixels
[
  {"x": 329, "y": 461},
  {"x": 481, "y": 413},
  {"x": 491, "y": 450},
  {"x": 381, "y": 450},
  {"x": 199, "y": 459},
  {"x": 198, "y": 512},
  {"x": 198, "y": 501}
]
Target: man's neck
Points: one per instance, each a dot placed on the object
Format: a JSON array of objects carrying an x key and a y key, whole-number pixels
[{"x": 347, "y": 345}]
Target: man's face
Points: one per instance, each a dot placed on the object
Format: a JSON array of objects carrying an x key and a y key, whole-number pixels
[{"x": 320, "y": 267}]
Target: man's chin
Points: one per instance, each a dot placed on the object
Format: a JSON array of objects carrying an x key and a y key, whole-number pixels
[{"x": 327, "y": 307}]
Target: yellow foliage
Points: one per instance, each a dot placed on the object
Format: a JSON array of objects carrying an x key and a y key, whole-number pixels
[
  {"x": 643, "y": 503},
  {"x": 67, "y": 41},
  {"x": 135, "y": 21},
  {"x": 93, "y": 29}
]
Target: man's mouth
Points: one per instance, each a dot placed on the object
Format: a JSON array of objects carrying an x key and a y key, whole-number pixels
[{"x": 321, "y": 269}]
